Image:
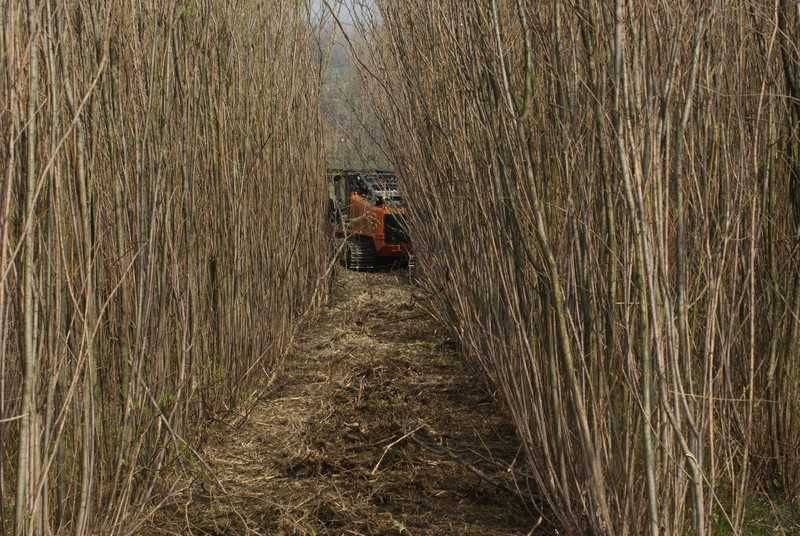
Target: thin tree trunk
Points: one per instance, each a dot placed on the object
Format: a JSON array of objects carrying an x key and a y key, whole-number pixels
[{"x": 28, "y": 456}]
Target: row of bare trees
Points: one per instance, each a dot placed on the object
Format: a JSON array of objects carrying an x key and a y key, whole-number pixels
[
  {"x": 352, "y": 130},
  {"x": 159, "y": 239},
  {"x": 606, "y": 209}
]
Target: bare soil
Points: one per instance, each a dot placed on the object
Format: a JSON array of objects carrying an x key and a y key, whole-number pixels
[{"x": 377, "y": 426}]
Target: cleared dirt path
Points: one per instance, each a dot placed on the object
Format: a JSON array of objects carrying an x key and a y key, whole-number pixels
[{"x": 376, "y": 427}]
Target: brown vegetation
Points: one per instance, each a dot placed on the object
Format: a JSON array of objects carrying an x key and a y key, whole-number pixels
[
  {"x": 377, "y": 427},
  {"x": 605, "y": 205},
  {"x": 161, "y": 212},
  {"x": 605, "y": 208}
]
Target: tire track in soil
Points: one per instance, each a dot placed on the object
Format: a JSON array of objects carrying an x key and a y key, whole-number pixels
[{"x": 366, "y": 371}]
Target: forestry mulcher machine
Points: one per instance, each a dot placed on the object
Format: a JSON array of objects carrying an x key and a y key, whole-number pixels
[{"x": 366, "y": 214}]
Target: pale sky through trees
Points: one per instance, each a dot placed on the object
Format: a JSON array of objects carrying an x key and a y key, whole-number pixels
[{"x": 343, "y": 8}]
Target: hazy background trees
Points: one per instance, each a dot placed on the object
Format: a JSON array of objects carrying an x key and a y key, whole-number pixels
[{"x": 353, "y": 134}]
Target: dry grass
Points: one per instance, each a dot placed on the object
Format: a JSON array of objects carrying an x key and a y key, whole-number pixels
[{"x": 366, "y": 372}]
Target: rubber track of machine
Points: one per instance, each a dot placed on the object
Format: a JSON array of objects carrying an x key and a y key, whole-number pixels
[{"x": 362, "y": 255}]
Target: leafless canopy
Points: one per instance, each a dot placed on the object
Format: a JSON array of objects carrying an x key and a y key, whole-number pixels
[
  {"x": 160, "y": 219},
  {"x": 606, "y": 207}
]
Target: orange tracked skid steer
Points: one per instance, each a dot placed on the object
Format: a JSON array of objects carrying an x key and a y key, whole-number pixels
[{"x": 366, "y": 216}]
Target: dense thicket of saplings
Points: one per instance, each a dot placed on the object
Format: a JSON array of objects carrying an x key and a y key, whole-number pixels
[
  {"x": 159, "y": 240},
  {"x": 606, "y": 212}
]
